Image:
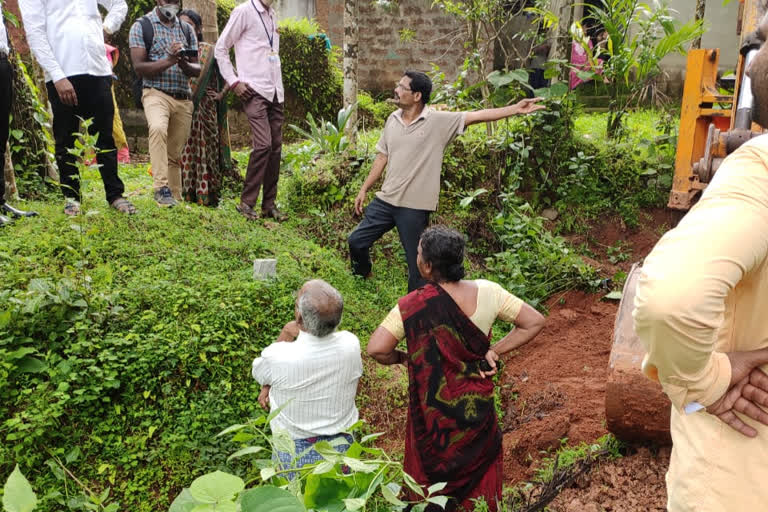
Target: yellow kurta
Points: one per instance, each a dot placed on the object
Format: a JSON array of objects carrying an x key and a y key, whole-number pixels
[{"x": 702, "y": 292}]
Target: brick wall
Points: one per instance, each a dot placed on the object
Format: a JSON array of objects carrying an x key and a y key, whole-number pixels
[{"x": 383, "y": 56}]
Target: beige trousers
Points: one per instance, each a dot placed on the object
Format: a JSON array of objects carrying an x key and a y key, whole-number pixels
[{"x": 169, "y": 121}]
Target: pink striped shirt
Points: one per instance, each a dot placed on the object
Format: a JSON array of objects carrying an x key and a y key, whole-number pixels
[{"x": 249, "y": 30}]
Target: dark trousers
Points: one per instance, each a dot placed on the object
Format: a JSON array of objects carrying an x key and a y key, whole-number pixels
[
  {"x": 6, "y": 97},
  {"x": 94, "y": 100},
  {"x": 266, "y": 120},
  {"x": 379, "y": 218}
]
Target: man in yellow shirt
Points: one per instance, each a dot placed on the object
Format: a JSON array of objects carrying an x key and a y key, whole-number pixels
[{"x": 701, "y": 311}]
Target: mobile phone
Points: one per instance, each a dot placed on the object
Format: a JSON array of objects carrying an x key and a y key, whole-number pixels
[{"x": 187, "y": 52}]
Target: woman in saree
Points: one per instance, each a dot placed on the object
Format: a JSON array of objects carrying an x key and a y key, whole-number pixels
[
  {"x": 206, "y": 160},
  {"x": 452, "y": 432}
]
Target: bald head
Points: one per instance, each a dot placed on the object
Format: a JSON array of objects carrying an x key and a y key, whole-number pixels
[{"x": 320, "y": 306}]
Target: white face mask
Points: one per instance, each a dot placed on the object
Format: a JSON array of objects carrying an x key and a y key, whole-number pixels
[{"x": 169, "y": 10}]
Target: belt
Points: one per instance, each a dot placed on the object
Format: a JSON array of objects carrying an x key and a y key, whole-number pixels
[{"x": 174, "y": 95}]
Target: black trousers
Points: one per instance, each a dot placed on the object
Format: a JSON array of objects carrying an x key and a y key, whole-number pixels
[
  {"x": 94, "y": 100},
  {"x": 6, "y": 97},
  {"x": 379, "y": 218}
]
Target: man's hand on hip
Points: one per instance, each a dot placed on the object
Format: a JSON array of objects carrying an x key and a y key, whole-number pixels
[
  {"x": 359, "y": 202},
  {"x": 66, "y": 92},
  {"x": 244, "y": 91},
  {"x": 747, "y": 394},
  {"x": 264, "y": 396}
]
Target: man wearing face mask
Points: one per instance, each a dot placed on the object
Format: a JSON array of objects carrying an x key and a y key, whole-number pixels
[
  {"x": 67, "y": 39},
  {"x": 165, "y": 68},
  {"x": 258, "y": 82}
]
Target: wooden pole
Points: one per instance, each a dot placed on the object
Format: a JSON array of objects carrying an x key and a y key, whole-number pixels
[{"x": 700, "y": 6}]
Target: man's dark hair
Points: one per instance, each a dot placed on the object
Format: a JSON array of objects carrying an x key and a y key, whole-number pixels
[
  {"x": 420, "y": 82},
  {"x": 443, "y": 248},
  {"x": 196, "y": 19}
]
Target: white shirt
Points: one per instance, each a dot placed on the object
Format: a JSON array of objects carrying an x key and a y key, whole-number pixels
[
  {"x": 319, "y": 376},
  {"x": 66, "y": 36},
  {"x": 4, "y": 48}
]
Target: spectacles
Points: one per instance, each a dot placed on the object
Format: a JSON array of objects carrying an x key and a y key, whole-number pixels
[{"x": 398, "y": 85}]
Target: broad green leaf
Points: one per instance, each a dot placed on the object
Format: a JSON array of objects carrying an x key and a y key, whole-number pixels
[
  {"x": 184, "y": 502},
  {"x": 413, "y": 484},
  {"x": 325, "y": 449},
  {"x": 283, "y": 443},
  {"x": 371, "y": 437},
  {"x": 245, "y": 451},
  {"x": 216, "y": 487},
  {"x": 270, "y": 499},
  {"x": 267, "y": 473},
  {"x": 436, "y": 487},
  {"x": 615, "y": 295},
  {"x": 354, "y": 504},
  {"x": 323, "y": 467},
  {"x": 320, "y": 491},
  {"x": 31, "y": 365},
  {"x": 390, "y": 494},
  {"x": 233, "y": 428},
  {"x": 438, "y": 500},
  {"x": 18, "y": 495},
  {"x": 204, "y": 507},
  {"x": 358, "y": 465}
]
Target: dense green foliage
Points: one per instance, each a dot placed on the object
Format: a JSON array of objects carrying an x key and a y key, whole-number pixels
[
  {"x": 125, "y": 342},
  {"x": 129, "y": 339},
  {"x": 311, "y": 73}
]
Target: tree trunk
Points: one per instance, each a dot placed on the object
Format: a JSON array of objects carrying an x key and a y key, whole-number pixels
[
  {"x": 561, "y": 45},
  {"x": 11, "y": 192},
  {"x": 350, "y": 67},
  {"x": 700, "y": 5},
  {"x": 207, "y": 10}
]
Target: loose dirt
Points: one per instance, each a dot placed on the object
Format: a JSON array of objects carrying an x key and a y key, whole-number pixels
[{"x": 553, "y": 389}]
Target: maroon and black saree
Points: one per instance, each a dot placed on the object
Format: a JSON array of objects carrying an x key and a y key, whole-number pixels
[{"x": 452, "y": 435}]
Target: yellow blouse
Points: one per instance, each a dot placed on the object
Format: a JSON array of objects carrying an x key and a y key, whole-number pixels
[{"x": 493, "y": 302}]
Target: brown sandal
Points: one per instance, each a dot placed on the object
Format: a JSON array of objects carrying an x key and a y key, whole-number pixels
[{"x": 123, "y": 206}]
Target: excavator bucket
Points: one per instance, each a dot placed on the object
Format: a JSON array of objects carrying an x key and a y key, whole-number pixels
[{"x": 636, "y": 409}]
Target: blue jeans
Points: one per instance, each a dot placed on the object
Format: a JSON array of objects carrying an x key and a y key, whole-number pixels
[
  {"x": 287, "y": 462},
  {"x": 379, "y": 218}
]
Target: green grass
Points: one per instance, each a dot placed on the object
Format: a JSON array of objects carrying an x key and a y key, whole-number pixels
[
  {"x": 641, "y": 124},
  {"x": 146, "y": 326}
]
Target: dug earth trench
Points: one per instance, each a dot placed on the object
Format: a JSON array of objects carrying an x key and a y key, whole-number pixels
[{"x": 553, "y": 389}]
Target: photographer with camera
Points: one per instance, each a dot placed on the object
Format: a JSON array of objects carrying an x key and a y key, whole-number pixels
[{"x": 164, "y": 56}]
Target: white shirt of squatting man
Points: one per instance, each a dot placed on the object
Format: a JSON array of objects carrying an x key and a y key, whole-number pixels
[
  {"x": 319, "y": 376},
  {"x": 4, "y": 48},
  {"x": 66, "y": 36}
]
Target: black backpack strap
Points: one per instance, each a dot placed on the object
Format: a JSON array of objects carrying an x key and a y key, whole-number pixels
[
  {"x": 148, "y": 31},
  {"x": 187, "y": 34}
]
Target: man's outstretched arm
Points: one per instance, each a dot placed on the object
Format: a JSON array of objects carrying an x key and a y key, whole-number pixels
[{"x": 526, "y": 106}]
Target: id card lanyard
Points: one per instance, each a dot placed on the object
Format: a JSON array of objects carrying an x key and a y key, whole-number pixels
[{"x": 270, "y": 37}]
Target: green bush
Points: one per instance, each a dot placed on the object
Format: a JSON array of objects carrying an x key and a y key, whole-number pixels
[
  {"x": 311, "y": 73},
  {"x": 373, "y": 114}
]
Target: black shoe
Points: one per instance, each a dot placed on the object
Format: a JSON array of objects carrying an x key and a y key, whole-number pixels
[
  {"x": 4, "y": 221},
  {"x": 15, "y": 212}
]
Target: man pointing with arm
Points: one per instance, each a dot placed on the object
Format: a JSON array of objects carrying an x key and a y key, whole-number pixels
[{"x": 411, "y": 149}]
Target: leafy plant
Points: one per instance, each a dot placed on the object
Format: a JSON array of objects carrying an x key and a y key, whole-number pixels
[
  {"x": 632, "y": 57},
  {"x": 343, "y": 481},
  {"x": 327, "y": 136}
]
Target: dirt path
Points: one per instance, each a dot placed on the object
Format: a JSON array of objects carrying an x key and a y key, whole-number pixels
[{"x": 553, "y": 389}]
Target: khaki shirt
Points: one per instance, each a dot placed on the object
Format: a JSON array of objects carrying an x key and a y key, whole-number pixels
[
  {"x": 702, "y": 292},
  {"x": 415, "y": 157}
]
